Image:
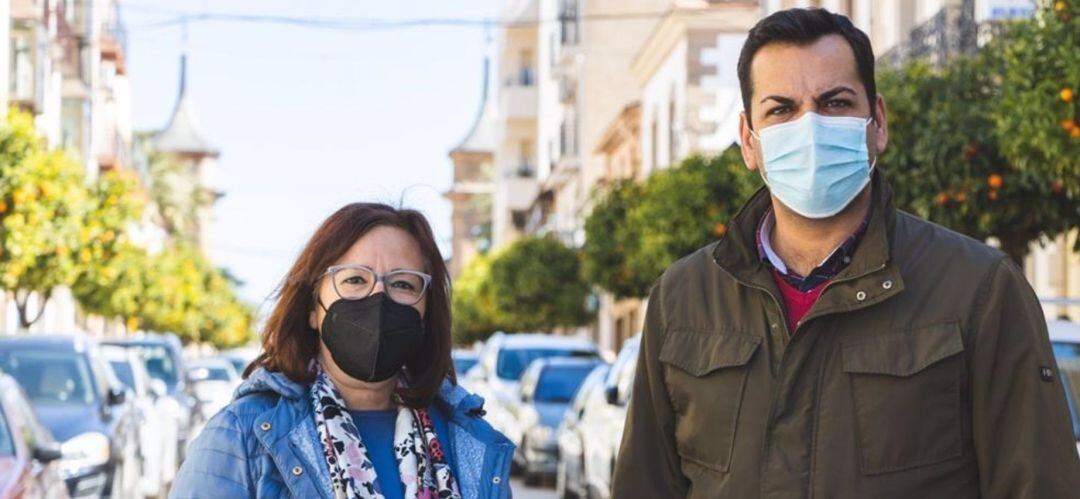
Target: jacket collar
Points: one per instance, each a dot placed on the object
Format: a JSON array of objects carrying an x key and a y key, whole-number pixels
[{"x": 736, "y": 252}]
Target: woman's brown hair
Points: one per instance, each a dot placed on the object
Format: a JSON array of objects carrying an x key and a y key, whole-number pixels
[{"x": 288, "y": 341}]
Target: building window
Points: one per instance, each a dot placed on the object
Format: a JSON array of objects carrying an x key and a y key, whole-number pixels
[
  {"x": 525, "y": 163},
  {"x": 525, "y": 71},
  {"x": 654, "y": 142},
  {"x": 672, "y": 135},
  {"x": 568, "y": 22}
]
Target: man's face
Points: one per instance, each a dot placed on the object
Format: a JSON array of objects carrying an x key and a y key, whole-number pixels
[{"x": 790, "y": 80}]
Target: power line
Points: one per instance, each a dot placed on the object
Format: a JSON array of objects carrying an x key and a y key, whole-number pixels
[{"x": 382, "y": 24}]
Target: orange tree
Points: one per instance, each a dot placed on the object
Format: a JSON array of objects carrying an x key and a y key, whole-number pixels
[
  {"x": 684, "y": 208},
  {"x": 536, "y": 285},
  {"x": 110, "y": 276},
  {"x": 946, "y": 163},
  {"x": 609, "y": 239},
  {"x": 1038, "y": 109},
  {"x": 43, "y": 203},
  {"x": 474, "y": 314}
]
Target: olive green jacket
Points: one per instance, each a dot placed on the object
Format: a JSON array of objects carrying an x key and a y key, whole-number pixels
[{"x": 923, "y": 371}]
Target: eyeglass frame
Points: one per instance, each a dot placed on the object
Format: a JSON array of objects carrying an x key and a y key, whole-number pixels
[{"x": 331, "y": 270}]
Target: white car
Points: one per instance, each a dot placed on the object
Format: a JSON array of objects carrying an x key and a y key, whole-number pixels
[
  {"x": 213, "y": 379},
  {"x": 504, "y": 358},
  {"x": 1065, "y": 340},
  {"x": 157, "y": 431},
  {"x": 605, "y": 421}
]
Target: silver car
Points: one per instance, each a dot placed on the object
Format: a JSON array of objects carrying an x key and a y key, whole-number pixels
[{"x": 1065, "y": 340}]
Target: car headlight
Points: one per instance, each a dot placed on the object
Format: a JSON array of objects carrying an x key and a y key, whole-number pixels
[{"x": 84, "y": 451}]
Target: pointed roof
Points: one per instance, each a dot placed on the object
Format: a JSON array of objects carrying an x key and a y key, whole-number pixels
[
  {"x": 181, "y": 134},
  {"x": 481, "y": 137}
]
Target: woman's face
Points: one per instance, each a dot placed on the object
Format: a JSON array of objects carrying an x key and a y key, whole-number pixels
[{"x": 383, "y": 249}]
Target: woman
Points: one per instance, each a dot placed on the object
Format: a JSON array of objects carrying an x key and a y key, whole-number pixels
[{"x": 354, "y": 395}]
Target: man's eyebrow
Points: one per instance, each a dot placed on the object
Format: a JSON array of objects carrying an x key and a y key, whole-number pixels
[
  {"x": 778, "y": 98},
  {"x": 834, "y": 92}
]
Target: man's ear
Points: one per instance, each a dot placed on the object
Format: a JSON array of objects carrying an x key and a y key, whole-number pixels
[
  {"x": 881, "y": 120},
  {"x": 746, "y": 143}
]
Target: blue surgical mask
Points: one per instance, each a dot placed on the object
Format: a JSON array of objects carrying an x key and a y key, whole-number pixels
[{"x": 816, "y": 165}]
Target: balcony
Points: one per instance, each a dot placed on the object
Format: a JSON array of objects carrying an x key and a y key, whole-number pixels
[
  {"x": 27, "y": 10},
  {"x": 519, "y": 101},
  {"x": 520, "y": 192},
  {"x": 114, "y": 46}
]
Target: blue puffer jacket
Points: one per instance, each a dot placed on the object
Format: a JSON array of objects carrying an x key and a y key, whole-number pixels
[{"x": 264, "y": 445}]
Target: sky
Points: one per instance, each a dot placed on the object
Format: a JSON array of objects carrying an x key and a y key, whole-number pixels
[{"x": 309, "y": 118}]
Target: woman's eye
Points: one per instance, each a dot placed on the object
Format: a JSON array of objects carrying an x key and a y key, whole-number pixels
[
  {"x": 404, "y": 286},
  {"x": 355, "y": 280}
]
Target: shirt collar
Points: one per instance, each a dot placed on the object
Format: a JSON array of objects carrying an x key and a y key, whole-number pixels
[{"x": 832, "y": 264}]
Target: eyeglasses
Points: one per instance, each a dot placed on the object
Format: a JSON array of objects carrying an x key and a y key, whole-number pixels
[{"x": 356, "y": 282}]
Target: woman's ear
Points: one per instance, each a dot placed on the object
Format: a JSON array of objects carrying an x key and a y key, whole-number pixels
[{"x": 313, "y": 320}]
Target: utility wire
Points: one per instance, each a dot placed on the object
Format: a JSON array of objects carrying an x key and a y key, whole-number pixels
[{"x": 382, "y": 24}]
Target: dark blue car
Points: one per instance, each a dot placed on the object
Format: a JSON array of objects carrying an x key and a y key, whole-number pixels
[{"x": 77, "y": 397}]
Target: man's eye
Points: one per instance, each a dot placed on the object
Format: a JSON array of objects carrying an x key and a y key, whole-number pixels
[
  {"x": 778, "y": 110},
  {"x": 838, "y": 103}
]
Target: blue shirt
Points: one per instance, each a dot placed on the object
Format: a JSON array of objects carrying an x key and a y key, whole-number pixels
[{"x": 377, "y": 433}]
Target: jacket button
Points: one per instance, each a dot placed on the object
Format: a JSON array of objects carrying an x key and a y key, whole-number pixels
[
  {"x": 497, "y": 480},
  {"x": 887, "y": 284},
  {"x": 861, "y": 295},
  {"x": 265, "y": 426},
  {"x": 297, "y": 471}
]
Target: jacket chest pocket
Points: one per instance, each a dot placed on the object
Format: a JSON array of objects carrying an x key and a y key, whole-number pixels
[
  {"x": 706, "y": 374},
  {"x": 906, "y": 394}
]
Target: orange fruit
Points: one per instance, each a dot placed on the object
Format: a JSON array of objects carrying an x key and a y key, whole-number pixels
[
  {"x": 995, "y": 181},
  {"x": 942, "y": 198},
  {"x": 1075, "y": 132},
  {"x": 960, "y": 197},
  {"x": 1060, "y": 6},
  {"x": 1057, "y": 186},
  {"x": 993, "y": 195},
  {"x": 719, "y": 230},
  {"x": 3, "y": 207},
  {"x": 1066, "y": 94}
]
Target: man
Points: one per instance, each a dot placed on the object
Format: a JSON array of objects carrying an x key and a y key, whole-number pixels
[{"x": 830, "y": 346}]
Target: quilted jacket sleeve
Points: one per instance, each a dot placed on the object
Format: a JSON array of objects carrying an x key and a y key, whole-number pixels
[{"x": 216, "y": 464}]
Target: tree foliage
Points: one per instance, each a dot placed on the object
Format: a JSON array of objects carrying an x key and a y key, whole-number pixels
[
  {"x": 474, "y": 314},
  {"x": 1038, "y": 118},
  {"x": 536, "y": 285},
  {"x": 946, "y": 161},
  {"x": 609, "y": 240},
  {"x": 43, "y": 203}
]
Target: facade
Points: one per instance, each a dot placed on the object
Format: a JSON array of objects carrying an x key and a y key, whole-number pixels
[
  {"x": 64, "y": 62},
  {"x": 470, "y": 195}
]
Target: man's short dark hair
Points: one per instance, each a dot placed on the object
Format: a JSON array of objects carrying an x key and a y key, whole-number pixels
[{"x": 801, "y": 27}]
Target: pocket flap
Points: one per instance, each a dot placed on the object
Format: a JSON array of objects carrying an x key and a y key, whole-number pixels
[
  {"x": 700, "y": 353},
  {"x": 904, "y": 353}
]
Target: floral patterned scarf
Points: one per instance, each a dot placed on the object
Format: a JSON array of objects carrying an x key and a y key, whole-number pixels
[{"x": 422, "y": 464}]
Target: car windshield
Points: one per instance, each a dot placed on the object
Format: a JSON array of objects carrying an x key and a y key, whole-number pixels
[
  {"x": 1068, "y": 359},
  {"x": 51, "y": 377},
  {"x": 239, "y": 364},
  {"x": 560, "y": 383},
  {"x": 124, "y": 373},
  {"x": 7, "y": 446},
  {"x": 210, "y": 373},
  {"x": 160, "y": 364},
  {"x": 513, "y": 361},
  {"x": 462, "y": 365}
]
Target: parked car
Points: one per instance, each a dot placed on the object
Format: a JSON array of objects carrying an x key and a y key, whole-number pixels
[
  {"x": 1065, "y": 340},
  {"x": 77, "y": 397},
  {"x": 29, "y": 456},
  {"x": 569, "y": 479},
  {"x": 464, "y": 360},
  {"x": 157, "y": 431},
  {"x": 604, "y": 421},
  {"x": 240, "y": 358},
  {"x": 213, "y": 379},
  {"x": 162, "y": 356},
  {"x": 547, "y": 388},
  {"x": 502, "y": 362}
]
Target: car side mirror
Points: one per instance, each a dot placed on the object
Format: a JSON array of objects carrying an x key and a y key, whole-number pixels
[
  {"x": 117, "y": 396},
  {"x": 611, "y": 394},
  {"x": 158, "y": 388},
  {"x": 47, "y": 453}
]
